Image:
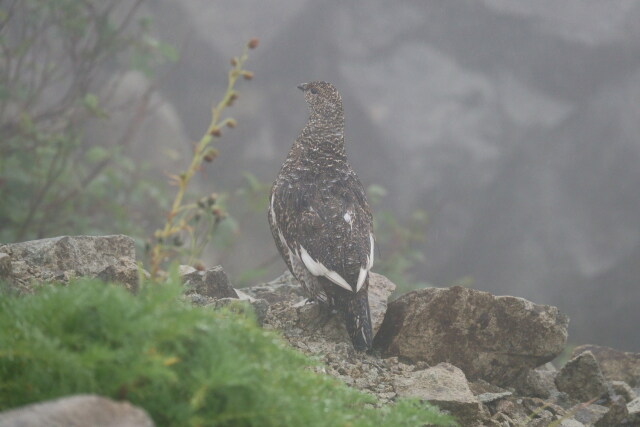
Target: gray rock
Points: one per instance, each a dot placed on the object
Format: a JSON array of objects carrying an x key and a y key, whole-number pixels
[
  {"x": 77, "y": 411},
  {"x": 622, "y": 389},
  {"x": 569, "y": 422},
  {"x": 496, "y": 338},
  {"x": 291, "y": 314},
  {"x": 600, "y": 416},
  {"x": 519, "y": 411},
  {"x": 537, "y": 383},
  {"x": 183, "y": 270},
  {"x": 212, "y": 283},
  {"x": 445, "y": 386},
  {"x": 487, "y": 393},
  {"x": 125, "y": 271},
  {"x": 6, "y": 272},
  {"x": 616, "y": 365},
  {"x": 633, "y": 408},
  {"x": 260, "y": 307},
  {"x": 282, "y": 289},
  {"x": 581, "y": 378},
  {"x": 380, "y": 288},
  {"x": 62, "y": 258}
]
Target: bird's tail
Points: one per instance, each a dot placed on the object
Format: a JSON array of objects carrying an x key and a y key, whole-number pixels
[{"x": 358, "y": 319}]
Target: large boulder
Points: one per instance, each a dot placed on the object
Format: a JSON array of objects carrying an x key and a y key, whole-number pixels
[
  {"x": 616, "y": 365},
  {"x": 60, "y": 259},
  {"x": 77, "y": 411},
  {"x": 496, "y": 338}
]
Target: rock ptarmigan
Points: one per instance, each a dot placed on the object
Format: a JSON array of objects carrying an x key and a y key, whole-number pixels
[{"x": 319, "y": 216}]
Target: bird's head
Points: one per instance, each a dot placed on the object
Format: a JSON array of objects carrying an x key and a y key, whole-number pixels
[{"x": 323, "y": 99}]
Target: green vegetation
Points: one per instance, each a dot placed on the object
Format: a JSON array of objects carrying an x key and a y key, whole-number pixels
[
  {"x": 184, "y": 365},
  {"x": 185, "y": 221},
  {"x": 54, "y": 179}
]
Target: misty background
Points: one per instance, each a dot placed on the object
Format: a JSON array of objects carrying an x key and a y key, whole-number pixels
[{"x": 515, "y": 127}]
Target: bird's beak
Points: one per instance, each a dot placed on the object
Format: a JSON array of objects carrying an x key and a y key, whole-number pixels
[{"x": 302, "y": 86}]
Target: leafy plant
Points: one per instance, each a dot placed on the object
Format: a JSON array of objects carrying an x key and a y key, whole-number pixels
[
  {"x": 53, "y": 178},
  {"x": 185, "y": 221},
  {"x": 187, "y": 366}
]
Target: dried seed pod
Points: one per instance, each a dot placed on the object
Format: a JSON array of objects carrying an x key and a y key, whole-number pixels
[
  {"x": 210, "y": 155},
  {"x": 253, "y": 43},
  {"x": 232, "y": 98}
]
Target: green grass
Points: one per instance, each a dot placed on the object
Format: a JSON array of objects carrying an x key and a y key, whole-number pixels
[{"x": 186, "y": 366}]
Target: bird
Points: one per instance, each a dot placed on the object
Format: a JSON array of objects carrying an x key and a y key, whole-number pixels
[{"x": 320, "y": 219}]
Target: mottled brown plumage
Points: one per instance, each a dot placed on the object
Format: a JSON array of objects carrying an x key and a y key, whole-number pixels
[{"x": 319, "y": 215}]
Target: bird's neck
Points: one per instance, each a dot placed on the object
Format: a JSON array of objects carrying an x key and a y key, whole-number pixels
[{"x": 325, "y": 135}]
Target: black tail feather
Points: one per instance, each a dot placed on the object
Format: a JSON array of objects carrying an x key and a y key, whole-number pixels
[{"x": 358, "y": 320}]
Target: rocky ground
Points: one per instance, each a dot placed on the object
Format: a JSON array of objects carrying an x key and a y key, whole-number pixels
[{"x": 483, "y": 358}]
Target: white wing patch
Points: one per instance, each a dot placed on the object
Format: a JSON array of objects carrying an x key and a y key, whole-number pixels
[
  {"x": 365, "y": 270},
  {"x": 318, "y": 269},
  {"x": 361, "y": 276},
  {"x": 370, "y": 263}
]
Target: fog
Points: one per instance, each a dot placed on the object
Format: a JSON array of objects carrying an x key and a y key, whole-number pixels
[{"x": 515, "y": 126}]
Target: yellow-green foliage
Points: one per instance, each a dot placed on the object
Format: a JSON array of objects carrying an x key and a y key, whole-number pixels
[{"x": 184, "y": 365}]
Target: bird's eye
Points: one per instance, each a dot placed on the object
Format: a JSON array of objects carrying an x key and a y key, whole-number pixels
[{"x": 313, "y": 90}]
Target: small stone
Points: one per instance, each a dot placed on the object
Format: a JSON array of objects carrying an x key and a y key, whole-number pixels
[
  {"x": 537, "y": 383},
  {"x": 633, "y": 408},
  {"x": 80, "y": 410},
  {"x": 486, "y": 392},
  {"x": 600, "y": 416},
  {"x": 445, "y": 386},
  {"x": 212, "y": 283},
  {"x": 622, "y": 389},
  {"x": 183, "y": 270},
  {"x": 581, "y": 378},
  {"x": 616, "y": 365},
  {"x": 568, "y": 422}
]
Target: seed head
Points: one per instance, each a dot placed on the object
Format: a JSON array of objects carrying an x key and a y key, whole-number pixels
[
  {"x": 253, "y": 43},
  {"x": 210, "y": 155},
  {"x": 232, "y": 98}
]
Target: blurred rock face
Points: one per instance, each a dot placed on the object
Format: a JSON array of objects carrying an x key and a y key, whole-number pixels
[{"x": 514, "y": 125}]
